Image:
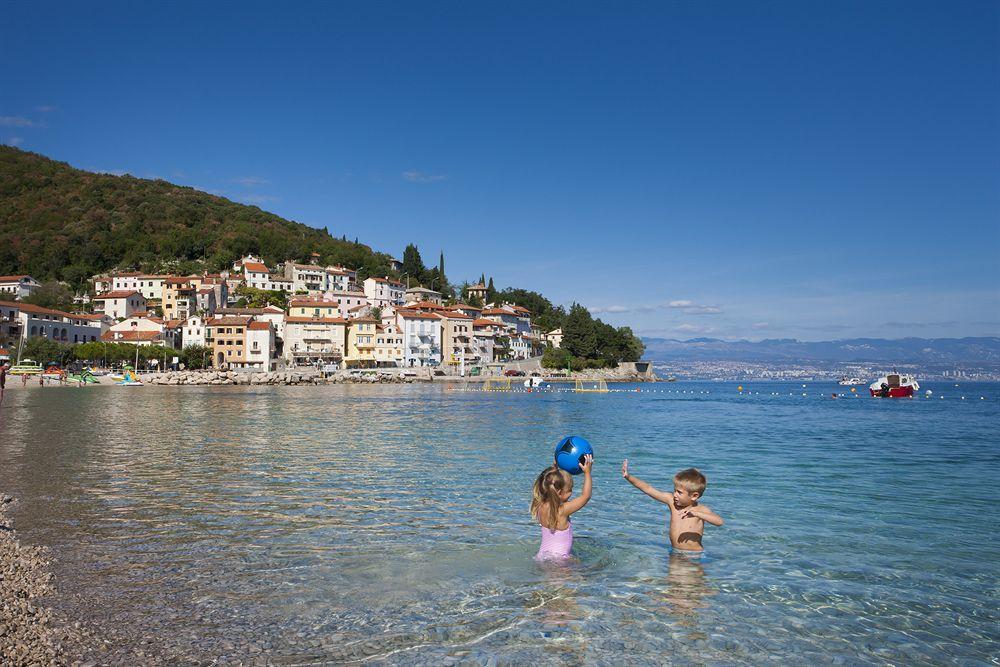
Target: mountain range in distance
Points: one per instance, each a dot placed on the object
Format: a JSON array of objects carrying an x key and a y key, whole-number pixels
[{"x": 980, "y": 350}]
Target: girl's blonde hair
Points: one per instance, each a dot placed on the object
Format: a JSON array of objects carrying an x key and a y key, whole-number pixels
[{"x": 547, "y": 488}]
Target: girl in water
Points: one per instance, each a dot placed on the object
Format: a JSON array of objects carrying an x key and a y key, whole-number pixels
[{"x": 551, "y": 507}]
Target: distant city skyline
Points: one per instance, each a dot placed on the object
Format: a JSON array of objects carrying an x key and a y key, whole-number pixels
[{"x": 785, "y": 170}]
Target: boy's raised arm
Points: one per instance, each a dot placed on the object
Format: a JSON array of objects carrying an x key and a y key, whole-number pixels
[{"x": 646, "y": 488}]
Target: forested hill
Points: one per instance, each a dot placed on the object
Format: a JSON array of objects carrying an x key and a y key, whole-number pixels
[{"x": 61, "y": 223}]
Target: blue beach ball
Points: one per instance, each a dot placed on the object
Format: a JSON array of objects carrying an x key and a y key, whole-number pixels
[{"x": 570, "y": 452}]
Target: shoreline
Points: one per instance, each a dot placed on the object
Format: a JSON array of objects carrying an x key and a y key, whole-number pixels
[
  {"x": 309, "y": 376},
  {"x": 30, "y": 633}
]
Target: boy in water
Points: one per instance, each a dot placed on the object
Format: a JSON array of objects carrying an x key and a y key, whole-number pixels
[{"x": 687, "y": 517}]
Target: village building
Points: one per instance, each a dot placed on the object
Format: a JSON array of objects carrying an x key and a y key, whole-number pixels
[
  {"x": 484, "y": 333},
  {"x": 361, "y": 343},
  {"x": 382, "y": 292},
  {"x": 554, "y": 337},
  {"x": 193, "y": 331},
  {"x": 314, "y": 340},
  {"x": 418, "y": 294},
  {"x": 10, "y": 321},
  {"x": 307, "y": 278},
  {"x": 456, "y": 338},
  {"x": 341, "y": 279},
  {"x": 256, "y": 274},
  {"x": 180, "y": 299},
  {"x": 35, "y": 321},
  {"x": 17, "y": 287},
  {"x": 421, "y": 336},
  {"x": 120, "y": 304},
  {"x": 260, "y": 347},
  {"x": 388, "y": 346},
  {"x": 477, "y": 291},
  {"x": 228, "y": 341}
]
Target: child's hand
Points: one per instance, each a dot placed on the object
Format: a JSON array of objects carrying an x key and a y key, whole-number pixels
[
  {"x": 588, "y": 461},
  {"x": 625, "y": 468}
]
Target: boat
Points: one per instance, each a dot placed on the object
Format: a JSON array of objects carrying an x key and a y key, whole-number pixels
[
  {"x": 894, "y": 385},
  {"x": 130, "y": 379},
  {"x": 533, "y": 382},
  {"x": 26, "y": 367},
  {"x": 86, "y": 376},
  {"x": 848, "y": 382}
]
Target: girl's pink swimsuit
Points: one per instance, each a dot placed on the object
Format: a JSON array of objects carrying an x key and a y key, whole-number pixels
[{"x": 555, "y": 543}]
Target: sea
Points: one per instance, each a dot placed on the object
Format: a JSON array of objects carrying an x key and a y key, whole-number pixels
[{"x": 388, "y": 524}]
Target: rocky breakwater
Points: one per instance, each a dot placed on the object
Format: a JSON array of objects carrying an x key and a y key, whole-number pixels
[
  {"x": 290, "y": 377},
  {"x": 29, "y": 633}
]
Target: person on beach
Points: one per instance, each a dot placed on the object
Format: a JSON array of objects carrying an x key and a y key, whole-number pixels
[
  {"x": 551, "y": 507},
  {"x": 687, "y": 516},
  {"x": 3, "y": 379}
]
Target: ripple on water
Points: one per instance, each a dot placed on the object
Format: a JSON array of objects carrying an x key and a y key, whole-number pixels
[{"x": 389, "y": 524}]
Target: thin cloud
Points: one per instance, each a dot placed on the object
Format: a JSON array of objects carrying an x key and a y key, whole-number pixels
[
  {"x": 760, "y": 325},
  {"x": 421, "y": 177},
  {"x": 14, "y": 141},
  {"x": 45, "y": 108},
  {"x": 16, "y": 121},
  {"x": 686, "y": 306},
  {"x": 921, "y": 325},
  {"x": 693, "y": 329},
  {"x": 250, "y": 181}
]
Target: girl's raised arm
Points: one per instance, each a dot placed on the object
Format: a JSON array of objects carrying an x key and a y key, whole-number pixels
[{"x": 577, "y": 503}]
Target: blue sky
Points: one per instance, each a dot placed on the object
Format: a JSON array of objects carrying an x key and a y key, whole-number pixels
[{"x": 736, "y": 170}]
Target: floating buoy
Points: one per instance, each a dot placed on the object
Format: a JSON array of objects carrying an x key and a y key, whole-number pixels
[
  {"x": 854, "y": 390},
  {"x": 739, "y": 388}
]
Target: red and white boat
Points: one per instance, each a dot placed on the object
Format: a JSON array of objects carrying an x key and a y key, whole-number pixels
[{"x": 894, "y": 385}]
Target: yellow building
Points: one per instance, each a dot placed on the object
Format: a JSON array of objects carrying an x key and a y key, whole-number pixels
[
  {"x": 361, "y": 334},
  {"x": 227, "y": 337},
  {"x": 456, "y": 338}
]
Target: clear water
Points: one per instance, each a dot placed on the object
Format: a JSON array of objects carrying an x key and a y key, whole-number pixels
[{"x": 308, "y": 525}]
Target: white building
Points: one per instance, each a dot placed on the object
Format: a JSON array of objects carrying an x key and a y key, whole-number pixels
[
  {"x": 389, "y": 346},
  {"x": 382, "y": 292},
  {"x": 120, "y": 304},
  {"x": 256, "y": 275},
  {"x": 193, "y": 331},
  {"x": 484, "y": 334},
  {"x": 315, "y": 340},
  {"x": 260, "y": 346},
  {"x": 341, "y": 279},
  {"x": 10, "y": 321},
  {"x": 307, "y": 278},
  {"x": 17, "y": 287},
  {"x": 421, "y": 337},
  {"x": 57, "y": 325},
  {"x": 418, "y": 294},
  {"x": 520, "y": 346},
  {"x": 554, "y": 337}
]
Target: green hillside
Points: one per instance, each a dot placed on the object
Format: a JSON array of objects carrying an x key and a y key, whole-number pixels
[{"x": 61, "y": 223}]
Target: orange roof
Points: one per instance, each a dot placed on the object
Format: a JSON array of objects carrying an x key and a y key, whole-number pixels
[
  {"x": 256, "y": 267},
  {"x": 87, "y": 316},
  {"x": 315, "y": 320},
  {"x": 229, "y": 322},
  {"x": 130, "y": 335},
  {"x": 31, "y": 308},
  {"x": 497, "y": 311},
  {"x": 365, "y": 319},
  {"x": 314, "y": 302},
  {"x": 520, "y": 309},
  {"x": 454, "y": 316},
  {"x": 173, "y": 324},
  {"x": 484, "y": 323},
  {"x": 427, "y": 305},
  {"x": 11, "y": 279},
  {"x": 416, "y": 315},
  {"x": 117, "y": 294},
  {"x": 259, "y": 326}
]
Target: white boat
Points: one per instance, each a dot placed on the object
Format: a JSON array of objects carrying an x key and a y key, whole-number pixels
[
  {"x": 533, "y": 382},
  {"x": 848, "y": 382}
]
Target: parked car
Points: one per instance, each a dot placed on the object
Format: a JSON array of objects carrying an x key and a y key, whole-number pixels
[{"x": 514, "y": 373}]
